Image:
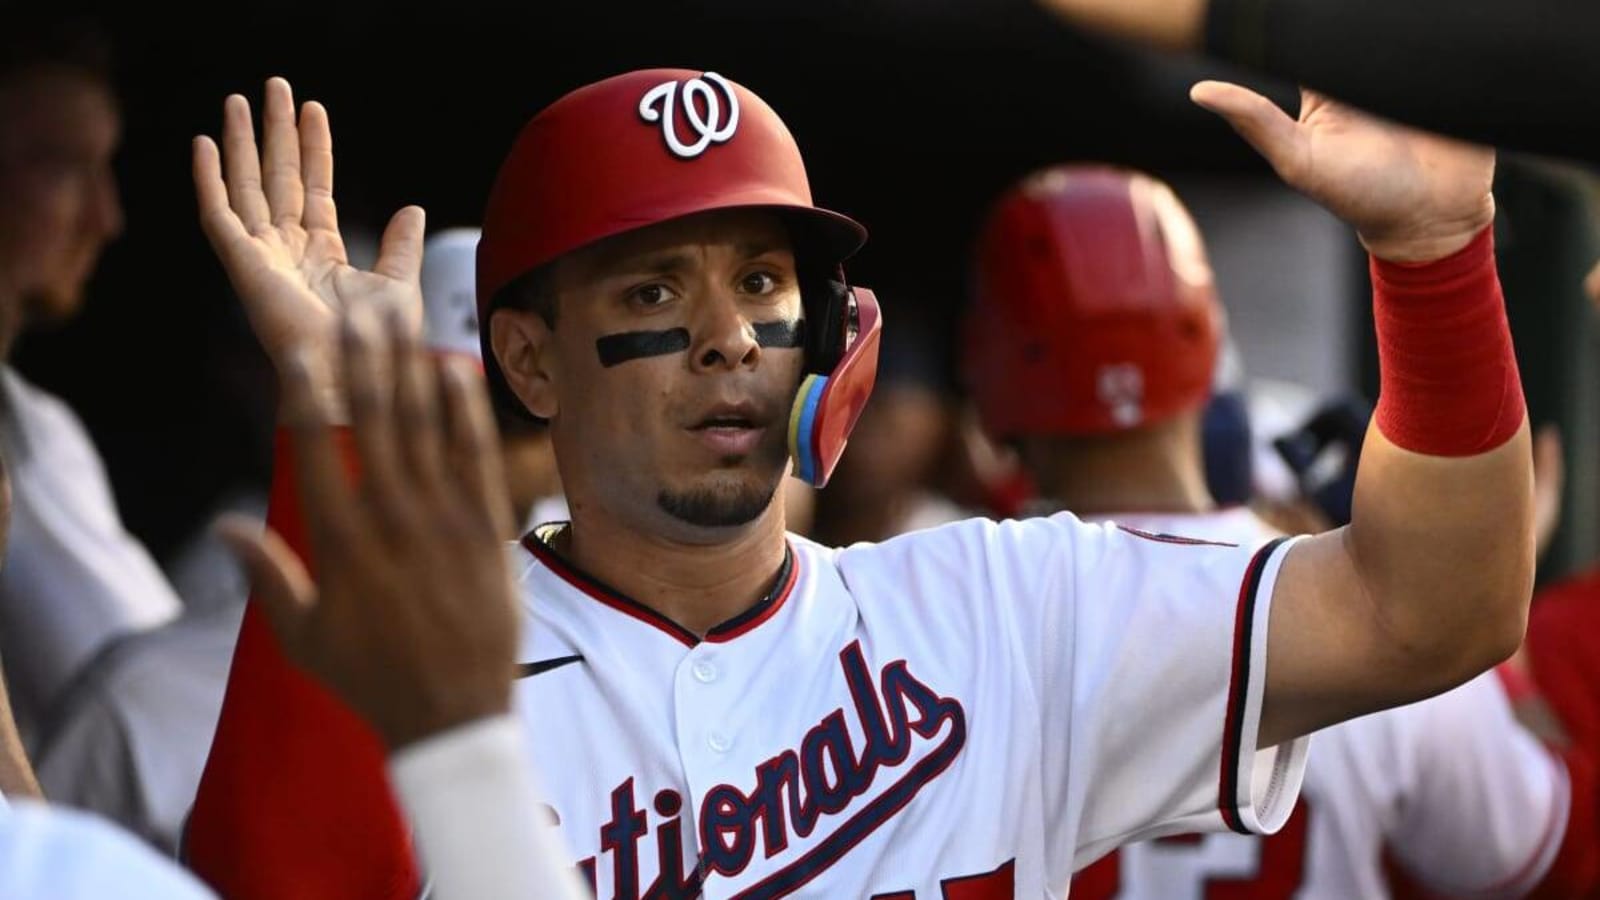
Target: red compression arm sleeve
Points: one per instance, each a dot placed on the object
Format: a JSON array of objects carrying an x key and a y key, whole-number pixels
[
  {"x": 294, "y": 801},
  {"x": 1449, "y": 384}
]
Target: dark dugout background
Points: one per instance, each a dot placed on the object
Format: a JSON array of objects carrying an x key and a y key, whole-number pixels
[{"x": 912, "y": 114}]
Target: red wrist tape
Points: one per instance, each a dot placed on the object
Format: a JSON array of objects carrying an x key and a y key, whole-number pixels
[{"x": 1449, "y": 384}]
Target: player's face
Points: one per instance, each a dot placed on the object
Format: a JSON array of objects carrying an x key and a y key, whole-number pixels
[
  {"x": 58, "y": 133},
  {"x": 671, "y": 391}
]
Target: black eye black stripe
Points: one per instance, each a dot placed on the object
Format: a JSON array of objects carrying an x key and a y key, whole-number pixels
[
  {"x": 781, "y": 334},
  {"x": 616, "y": 349}
]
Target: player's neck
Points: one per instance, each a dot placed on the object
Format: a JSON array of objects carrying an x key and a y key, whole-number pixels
[
  {"x": 1156, "y": 470},
  {"x": 698, "y": 586}
]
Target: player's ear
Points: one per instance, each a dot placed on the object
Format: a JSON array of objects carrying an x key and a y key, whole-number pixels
[{"x": 524, "y": 345}]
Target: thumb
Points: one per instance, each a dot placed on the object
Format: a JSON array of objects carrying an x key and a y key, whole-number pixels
[
  {"x": 400, "y": 250},
  {"x": 279, "y": 582},
  {"x": 1258, "y": 120}
]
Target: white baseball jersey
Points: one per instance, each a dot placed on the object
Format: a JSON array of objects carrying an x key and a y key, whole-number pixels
[
  {"x": 967, "y": 712},
  {"x": 1464, "y": 798},
  {"x": 131, "y": 736},
  {"x": 74, "y": 580}
]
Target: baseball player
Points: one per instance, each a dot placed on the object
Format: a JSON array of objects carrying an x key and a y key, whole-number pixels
[
  {"x": 1108, "y": 263},
  {"x": 725, "y": 710}
]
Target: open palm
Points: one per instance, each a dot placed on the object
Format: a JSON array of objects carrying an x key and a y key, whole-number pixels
[
  {"x": 1412, "y": 195},
  {"x": 271, "y": 219}
]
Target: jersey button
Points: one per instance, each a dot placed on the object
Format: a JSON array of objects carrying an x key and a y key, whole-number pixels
[
  {"x": 704, "y": 672},
  {"x": 720, "y": 742}
]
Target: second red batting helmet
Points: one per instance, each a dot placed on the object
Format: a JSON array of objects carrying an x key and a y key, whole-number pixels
[{"x": 1095, "y": 310}]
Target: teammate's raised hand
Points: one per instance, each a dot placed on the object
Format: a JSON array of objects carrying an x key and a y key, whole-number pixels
[
  {"x": 271, "y": 219},
  {"x": 411, "y": 617},
  {"x": 1412, "y": 196}
]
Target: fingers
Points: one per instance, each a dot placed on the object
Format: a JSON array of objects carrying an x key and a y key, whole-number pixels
[
  {"x": 400, "y": 254},
  {"x": 316, "y": 169},
  {"x": 217, "y": 219},
  {"x": 1271, "y": 131},
  {"x": 1592, "y": 286},
  {"x": 326, "y": 498},
  {"x": 417, "y": 406},
  {"x": 278, "y": 580},
  {"x": 280, "y": 155},
  {"x": 474, "y": 445},
  {"x": 369, "y": 383},
  {"x": 242, "y": 166}
]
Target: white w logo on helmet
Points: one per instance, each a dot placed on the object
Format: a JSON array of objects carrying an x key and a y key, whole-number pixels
[{"x": 660, "y": 103}]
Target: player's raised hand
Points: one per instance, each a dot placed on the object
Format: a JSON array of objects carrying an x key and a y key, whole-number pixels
[
  {"x": 411, "y": 616},
  {"x": 270, "y": 217},
  {"x": 1412, "y": 196}
]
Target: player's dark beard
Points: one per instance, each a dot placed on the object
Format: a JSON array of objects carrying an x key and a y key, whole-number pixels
[{"x": 718, "y": 507}]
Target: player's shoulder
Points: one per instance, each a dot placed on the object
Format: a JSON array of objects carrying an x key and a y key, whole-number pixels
[
  {"x": 34, "y": 402},
  {"x": 970, "y": 537},
  {"x": 978, "y": 558},
  {"x": 1234, "y": 526}
]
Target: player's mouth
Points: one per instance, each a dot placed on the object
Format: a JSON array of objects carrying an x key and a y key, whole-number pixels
[{"x": 733, "y": 429}]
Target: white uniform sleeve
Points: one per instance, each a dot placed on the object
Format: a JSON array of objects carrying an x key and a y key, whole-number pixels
[
  {"x": 1149, "y": 656},
  {"x": 472, "y": 801},
  {"x": 54, "y": 853},
  {"x": 1489, "y": 807}
]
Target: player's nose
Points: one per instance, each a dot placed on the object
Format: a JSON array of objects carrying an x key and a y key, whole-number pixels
[{"x": 723, "y": 335}]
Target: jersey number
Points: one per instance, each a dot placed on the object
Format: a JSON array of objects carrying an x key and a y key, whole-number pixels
[
  {"x": 997, "y": 885},
  {"x": 1280, "y": 869}
]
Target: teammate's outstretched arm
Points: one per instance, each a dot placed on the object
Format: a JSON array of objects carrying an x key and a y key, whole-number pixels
[
  {"x": 1429, "y": 584},
  {"x": 293, "y": 801}
]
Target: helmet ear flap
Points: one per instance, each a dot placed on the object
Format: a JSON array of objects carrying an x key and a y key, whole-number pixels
[{"x": 828, "y": 307}]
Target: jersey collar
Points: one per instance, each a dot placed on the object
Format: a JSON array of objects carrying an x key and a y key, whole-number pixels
[{"x": 538, "y": 542}]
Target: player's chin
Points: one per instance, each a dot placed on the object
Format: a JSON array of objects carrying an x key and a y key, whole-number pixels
[
  {"x": 55, "y": 301},
  {"x": 730, "y": 497}
]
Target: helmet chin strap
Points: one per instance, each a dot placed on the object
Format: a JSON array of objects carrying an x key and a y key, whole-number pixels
[{"x": 827, "y": 405}]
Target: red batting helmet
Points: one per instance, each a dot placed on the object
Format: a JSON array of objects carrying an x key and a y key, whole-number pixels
[
  {"x": 654, "y": 145},
  {"x": 1095, "y": 309}
]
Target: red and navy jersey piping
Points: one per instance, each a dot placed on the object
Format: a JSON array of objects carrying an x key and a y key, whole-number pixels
[
  {"x": 744, "y": 622},
  {"x": 1239, "y": 687},
  {"x": 1163, "y": 538}
]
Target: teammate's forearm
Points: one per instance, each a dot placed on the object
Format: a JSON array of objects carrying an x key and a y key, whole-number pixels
[
  {"x": 293, "y": 801},
  {"x": 1442, "y": 532}
]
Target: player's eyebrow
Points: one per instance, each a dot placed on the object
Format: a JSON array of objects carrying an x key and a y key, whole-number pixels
[
  {"x": 755, "y": 248},
  {"x": 669, "y": 261},
  {"x": 663, "y": 263}
]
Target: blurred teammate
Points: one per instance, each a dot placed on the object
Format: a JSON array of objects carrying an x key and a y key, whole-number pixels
[
  {"x": 1107, "y": 414},
  {"x": 76, "y": 580}
]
